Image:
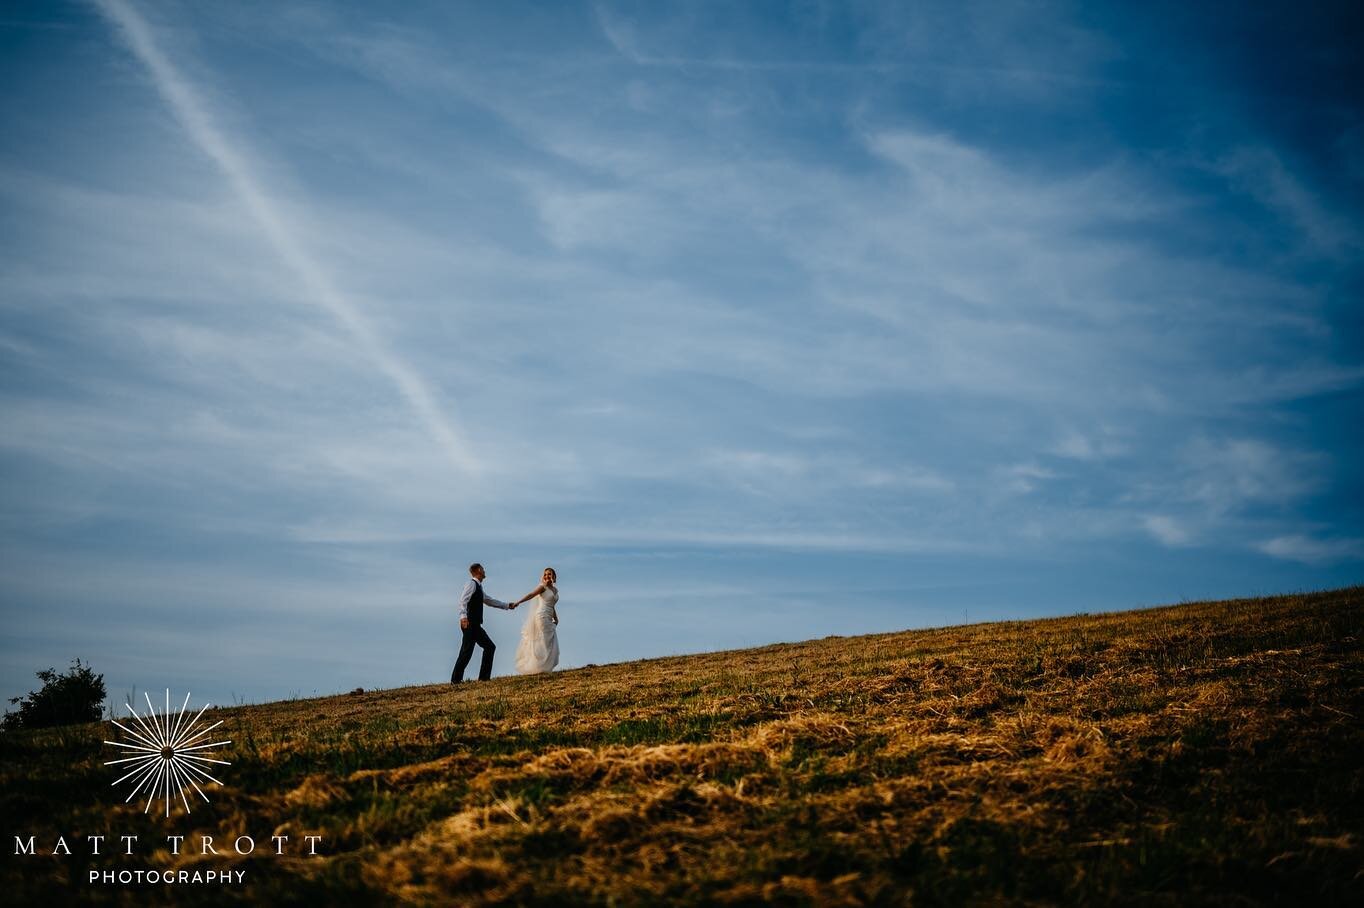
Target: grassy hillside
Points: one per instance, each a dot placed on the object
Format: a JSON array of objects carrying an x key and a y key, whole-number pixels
[{"x": 1208, "y": 752}]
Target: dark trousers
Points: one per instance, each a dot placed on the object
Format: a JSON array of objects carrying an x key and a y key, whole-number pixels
[{"x": 475, "y": 634}]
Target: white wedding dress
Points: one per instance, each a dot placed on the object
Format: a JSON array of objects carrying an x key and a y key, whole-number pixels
[{"x": 538, "y": 650}]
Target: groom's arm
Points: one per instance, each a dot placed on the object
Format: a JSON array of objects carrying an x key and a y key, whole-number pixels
[{"x": 495, "y": 603}]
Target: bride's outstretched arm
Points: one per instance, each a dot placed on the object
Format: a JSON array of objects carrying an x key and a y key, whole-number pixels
[{"x": 531, "y": 595}]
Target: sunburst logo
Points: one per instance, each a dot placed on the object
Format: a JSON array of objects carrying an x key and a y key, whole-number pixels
[{"x": 169, "y": 755}]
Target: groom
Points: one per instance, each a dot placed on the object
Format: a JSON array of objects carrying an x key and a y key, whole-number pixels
[{"x": 471, "y": 603}]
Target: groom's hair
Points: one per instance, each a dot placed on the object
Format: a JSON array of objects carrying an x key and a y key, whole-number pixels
[{"x": 475, "y": 567}]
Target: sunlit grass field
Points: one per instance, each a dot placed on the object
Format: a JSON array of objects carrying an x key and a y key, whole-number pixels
[{"x": 1199, "y": 753}]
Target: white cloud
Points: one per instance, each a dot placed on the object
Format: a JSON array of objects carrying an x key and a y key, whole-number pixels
[
  {"x": 1167, "y": 530},
  {"x": 1096, "y": 445},
  {"x": 1024, "y": 478},
  {"x": 1313, "y": 549},
  {"x": 905, "y": 477},
  {"x": 1226, "y": 474},
  {"x": 1075, "y": 446},
  {"x": 1263, "y": 174},
  {"x": 317, "y": 285}
]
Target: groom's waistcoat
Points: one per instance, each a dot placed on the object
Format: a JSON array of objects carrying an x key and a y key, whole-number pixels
[{"x": 475, "y": 611}]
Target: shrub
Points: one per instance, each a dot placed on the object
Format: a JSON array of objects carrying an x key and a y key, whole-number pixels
[{"x": 66, "y": 699}]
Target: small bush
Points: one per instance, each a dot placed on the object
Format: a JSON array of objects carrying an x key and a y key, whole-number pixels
[{"x": 66, "y": 699}]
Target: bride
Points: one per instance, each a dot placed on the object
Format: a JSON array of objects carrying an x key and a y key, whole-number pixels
[{"x": 539, "y": 647}]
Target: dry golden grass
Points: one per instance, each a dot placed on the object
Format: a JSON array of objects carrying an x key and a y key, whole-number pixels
[{"x": 1207, "y": 752}]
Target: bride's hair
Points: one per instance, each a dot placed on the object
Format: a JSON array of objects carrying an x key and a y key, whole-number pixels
[{"x": 553, "y": 574}]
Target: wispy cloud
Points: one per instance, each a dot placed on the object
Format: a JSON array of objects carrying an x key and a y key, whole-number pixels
[
  {"x": 316, "y": 284},
  {"x": 1232, "y": 473},
  {"x": 1262, "y": 174},
  {"x": 1166, "y": 529},
  {"x": 1313, "y": 549},
  {"x": 983, "y": 53}
]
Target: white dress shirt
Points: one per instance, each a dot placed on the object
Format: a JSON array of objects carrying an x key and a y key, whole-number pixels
[{"x": 469, "y": 594}]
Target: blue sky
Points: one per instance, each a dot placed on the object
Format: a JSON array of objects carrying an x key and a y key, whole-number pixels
[{"x": 759, "y": 321}]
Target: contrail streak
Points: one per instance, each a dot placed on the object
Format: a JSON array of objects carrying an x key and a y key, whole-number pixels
[{"x": 192, "y": 113}]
